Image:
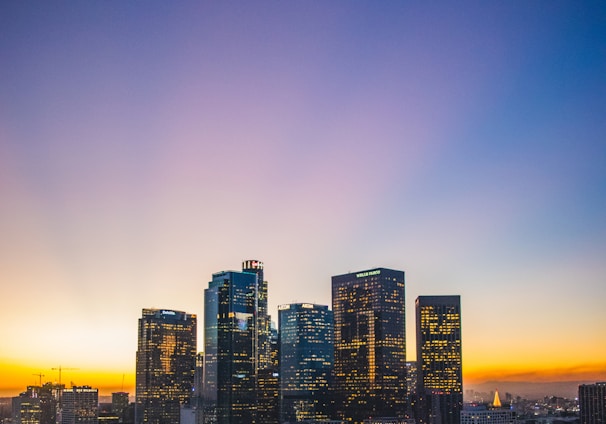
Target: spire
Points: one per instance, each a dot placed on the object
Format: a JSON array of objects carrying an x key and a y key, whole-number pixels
[{"x": 496, "y": 403}]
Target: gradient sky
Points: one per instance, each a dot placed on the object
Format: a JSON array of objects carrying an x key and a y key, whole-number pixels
[{"x": 146, "y": 145}]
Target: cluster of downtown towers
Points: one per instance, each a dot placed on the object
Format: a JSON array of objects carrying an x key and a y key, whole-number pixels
[{"x": 345, "y": 364}]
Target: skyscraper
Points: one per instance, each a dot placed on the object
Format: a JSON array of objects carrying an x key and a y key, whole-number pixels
[
  {"x": 262, "y": 326},
  {"x": 439, "y": 370},
  {"x": 370, "y": 344},
  {"x": 306, "y": 361},
  {"x": 166, "y": 360},
  {"x": 592, "y": 403},
  {"x": 80, "y": 405},
  {"x": 229, "y": 348}
]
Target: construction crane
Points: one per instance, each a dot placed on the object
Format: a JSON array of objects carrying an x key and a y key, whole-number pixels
[
  {"x": 60, "y": 368},
  {"x": 40, "y": 375}
]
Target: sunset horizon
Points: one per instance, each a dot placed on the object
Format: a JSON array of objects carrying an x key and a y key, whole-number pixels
[{"x": 146, "y": 146}]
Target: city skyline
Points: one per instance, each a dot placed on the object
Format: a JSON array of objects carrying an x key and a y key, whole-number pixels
[{"x": 144, "y": 148}]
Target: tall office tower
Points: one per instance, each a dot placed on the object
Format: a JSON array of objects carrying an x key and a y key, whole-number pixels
[
  {"x": 370, "y": 344},
  {"x": 166, "y": 360},
  {"x": 80, "y": 405},
  {"x": 592, "y": 403},
  {"x": 306, "y": 361},
  {"x": 439, "y": 371},
  {"x": 229, "y": 348},
  {"x": 263, "y": 348}
]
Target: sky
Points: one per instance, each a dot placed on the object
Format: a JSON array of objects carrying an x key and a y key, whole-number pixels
[{"x": 145, "y": 146}]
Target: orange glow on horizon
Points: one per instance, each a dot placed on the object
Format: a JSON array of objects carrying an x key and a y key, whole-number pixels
[
  {"x": 16, "y": 377},
  {"x": 536, "y": 373}
]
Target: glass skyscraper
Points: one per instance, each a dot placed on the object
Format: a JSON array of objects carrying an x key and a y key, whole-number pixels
[
  {"x": 263, "y": 348},
  {"x": 370, "y": 344},
  {"x": 230, "y": 348},
  {"x": 439, "y": 370},
  {"x": 166, "y": 359},
  {"x": 306, "y": 361}
]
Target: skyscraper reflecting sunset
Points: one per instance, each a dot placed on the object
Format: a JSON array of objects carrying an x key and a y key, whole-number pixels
[
  {"x": 439, "y": 373},
  {"x": 166, "y": 359},
  {"x": 370, "y": 344}
]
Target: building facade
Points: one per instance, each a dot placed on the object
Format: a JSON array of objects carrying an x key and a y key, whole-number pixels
[
  {"x": 482, "y": 415},
  {"x": 439, "y": 362},
  {"x": 80, "y": 405},
  {"x": 166, "y": 359},
  {"x": 306, "y": 361},
  {"x": 369, "y": 344},
  {"x": 262, "y": 325},
  {"x": 26, "y": 409},
  {"x": 592, "y": 403},
  {"x": 229, "y": 392}
]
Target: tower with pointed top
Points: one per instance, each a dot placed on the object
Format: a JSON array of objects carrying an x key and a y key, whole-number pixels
[{"x": 496, "y": 402}]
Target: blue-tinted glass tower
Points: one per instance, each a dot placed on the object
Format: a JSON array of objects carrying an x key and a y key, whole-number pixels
[
  {"x": 229, "y": 348},
  {"x": 306, "y": 361}
]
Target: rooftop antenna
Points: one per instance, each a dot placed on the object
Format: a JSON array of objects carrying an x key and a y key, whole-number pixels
[{"x": 122, "y": 390}]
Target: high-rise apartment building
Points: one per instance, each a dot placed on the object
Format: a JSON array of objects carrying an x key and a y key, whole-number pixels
[
  {"x": 230, "y": 307},
  {"x": 592, "y": 403},
  {"x": 370, "y": 344},
  {"x": 80, "y": 405},
  {"x": 439, "y": 370},
  {"x": 166, "y": 360},
  {"x": 306, "y": 361}
]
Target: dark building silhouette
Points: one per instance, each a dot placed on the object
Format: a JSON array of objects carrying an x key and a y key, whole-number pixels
[
  {"x": 44, "y": 399},
  {"x": 230, "y": 306},
  {"x": 26, "y": 409},
  {"x": 370, "y": 344},
  {"x": 439, "y": 370},
  {"x": 306, "y": 361},
  {"x": 166, "y": 359},
  {"x": 592, "y": 403},
  {"x": 119, "y": 402}
]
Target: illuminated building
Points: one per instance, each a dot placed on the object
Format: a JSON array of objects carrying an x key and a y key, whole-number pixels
[
  {"x": 38, "y": 404},
  {"x": 262, "y": 326},
  {"x": 26, "y": 409},
  {"x": 482, "y": 415},
  {"x": 166, "y": 359},
  {"x": 439, "y": 371},
  {"x": 229, "y": 348},
  {"x": 306, "y": 360},
  {"x": 592, "y": 403},
  {"x": 80, "y": 405},
  {"x": 370, "y": 344}
]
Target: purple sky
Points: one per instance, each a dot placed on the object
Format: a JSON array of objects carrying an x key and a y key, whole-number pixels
[{"x": 146, "y": 145}]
